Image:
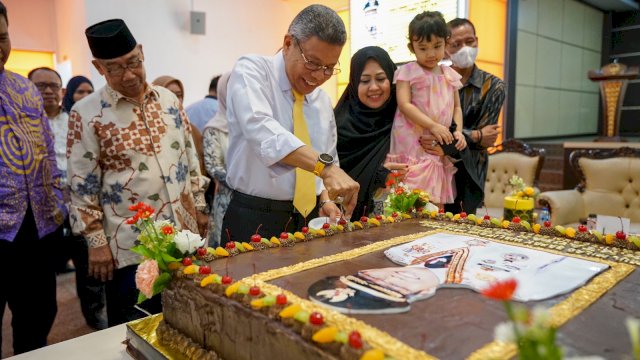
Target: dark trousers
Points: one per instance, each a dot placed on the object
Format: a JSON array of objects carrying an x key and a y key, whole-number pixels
[
  {"x": 245, "y": 213},
  {"x": 28, "y": 285},
  {"x": 122, "y": 297},
  {"x": 469, "y": 196},
  {"x": 90, "y": 290}
]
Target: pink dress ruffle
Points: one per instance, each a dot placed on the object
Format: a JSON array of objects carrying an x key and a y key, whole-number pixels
[{"x": 434, "y": 95}]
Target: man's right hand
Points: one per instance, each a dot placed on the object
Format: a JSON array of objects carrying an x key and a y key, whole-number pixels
[
  {"x": 489, "y": 135},
  {"x": 338, "y": 183},
  {"x": 101, "y": 263}
]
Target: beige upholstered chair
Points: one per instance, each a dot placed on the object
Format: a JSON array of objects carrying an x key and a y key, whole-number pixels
[
  {"x": 610, "y": 185},
  {"x": 513, "y": 158}
]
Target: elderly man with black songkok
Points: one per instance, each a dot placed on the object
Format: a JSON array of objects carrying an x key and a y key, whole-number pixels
[{"x": 128, "y": 142}]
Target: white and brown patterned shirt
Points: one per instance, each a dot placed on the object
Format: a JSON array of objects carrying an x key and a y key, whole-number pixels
[{"x": 120, "y": 153}]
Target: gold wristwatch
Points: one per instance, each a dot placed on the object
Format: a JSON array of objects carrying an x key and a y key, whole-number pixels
[{"x": 323, "y": 161}]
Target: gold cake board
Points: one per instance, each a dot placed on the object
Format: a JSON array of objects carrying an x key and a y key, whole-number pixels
[{"x": 142, "y": 342}]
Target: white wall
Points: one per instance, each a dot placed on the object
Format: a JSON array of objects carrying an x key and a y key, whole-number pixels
[
  {"x": 32, "y": 24},
  {"x": 72, "y": 44},
  {"x": 233, "y": 28},
  {"x": 559, "y": 41}
]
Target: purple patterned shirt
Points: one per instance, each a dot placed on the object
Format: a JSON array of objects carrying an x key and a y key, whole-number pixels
[{"x": 28, "y": 172}]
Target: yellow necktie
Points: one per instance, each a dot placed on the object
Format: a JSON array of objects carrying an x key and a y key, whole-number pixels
[{"x": 304, "y": 197}]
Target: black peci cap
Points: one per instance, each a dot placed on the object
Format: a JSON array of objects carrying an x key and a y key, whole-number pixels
[{"x": 110, "y": 39}]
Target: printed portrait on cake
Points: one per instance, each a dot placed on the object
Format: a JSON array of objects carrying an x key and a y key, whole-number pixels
[{"x": 447, "y": 260}]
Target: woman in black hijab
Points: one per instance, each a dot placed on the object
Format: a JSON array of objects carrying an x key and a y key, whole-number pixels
[
  {"x": 364, "y": 116},
  {"x": 77, "y": 88}
]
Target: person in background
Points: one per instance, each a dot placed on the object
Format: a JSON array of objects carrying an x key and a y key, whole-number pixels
[
  {"x": 32, "y": 205},
  {"x": 481, "y": 98},
  {"x": 128, "y": 142},
  {"x": 428, "y": 103},
  {"x": 175, "y": 86},
  {"x": 282, "y": 133},
  {"x": 89, "y": 290},
  {"x": 364, "y": 116},
  {"x": 216, "y": 143},
  {"x": 77, "y": 88},
  {"x": 201, "y": 111}
]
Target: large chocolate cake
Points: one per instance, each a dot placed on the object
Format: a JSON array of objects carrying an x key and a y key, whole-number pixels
[{"x": 454, "y": 324}]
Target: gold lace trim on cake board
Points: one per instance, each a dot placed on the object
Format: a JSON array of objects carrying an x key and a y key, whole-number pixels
[
  {"x": 561, "y": 313},
  {"x": 146, "y": 329}
]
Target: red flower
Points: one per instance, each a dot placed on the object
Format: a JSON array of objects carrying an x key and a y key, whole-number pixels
[
  {"x": 167, "y": 229},
  {"x": 390, "y": 182},
  {"x": 132, "y": 220},
  {"x": 396, "y": 174},
  {"x": 400, "y": 191},
  {"x": 501, "y": 290}
]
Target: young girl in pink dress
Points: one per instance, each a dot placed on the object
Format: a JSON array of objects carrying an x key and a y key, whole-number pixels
[{"x": 428, "y": 100}]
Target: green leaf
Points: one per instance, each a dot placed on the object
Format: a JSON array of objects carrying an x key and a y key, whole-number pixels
[
  {"x": 154, "y": 197},
  {"x": 161, "y": 263},
  {"x": 175, "y": 145},
  {"x": 143, "y": 167},
  {"x": 142, "y": 250},
  {"x": 141, "y": 298},
  {"x": 88, "y": 155},
  {"x": 161, "y": 283},
  {"x": 168, "y": 258}
]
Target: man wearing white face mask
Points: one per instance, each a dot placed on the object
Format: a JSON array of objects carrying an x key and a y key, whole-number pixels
[{"x": 481, "y": 97}]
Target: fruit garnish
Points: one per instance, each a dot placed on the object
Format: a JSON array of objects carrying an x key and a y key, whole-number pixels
[
  {"x": 536, "y": 228},
  {"x": 582, "y": 228},
  {"x": 526, "y": 224},
  {"x": 505, "y": 224},
  {"x": 463, "y": 214},
  {"x": 281, "y": 299},
  {"x": 455, "y": 217},
  {"x": 406, "y": 216},
  {"x": 269, "y": 300},
  {"x": 205, "y": 269},
  {"x": 341, "y": 337},
  {"x": 355, "y": 340},
  {"x": 358, "y": 224},
  {"x": 547, "y": 223},
  {"x": 448, "y": 214},
  {"x": 257, "y": 303},
  {"x": 326, "y": 226},
  {"x": 221, "y": 252},
  {"x": 231, "y": 289},
  {"x": 243, "y": 289},
  {"x": 608, "y": 239},
  {"x": 378, "y": 217},
  {"x": 276, "y": 241},
  {"x": 217, "y": 278},
  {"x": 340, "y": 228},
  {"x": 320, "y": 232},
  {"x": 254, "y": 291},
  {"x": 207, "y": 280},
  {"x": 230, "y": 245},
  {"x": 284, "y": 235},
  {"x": 325, "y": 335},
  {"x": 304, "y": 230},
  {"x": 471, "y": 217},
  {"x": 342, "y": 221},
  {"x": 226, "y": 280},
  {"x": 620, "y": 235},
  {"x": 394, "y": 214},
  {"x": 364, "y": 219},
  {"x": 373, "y": 354},
  {"x": 290, "y": 311},
  {"x": 374, "y": 221},
  {"x": 561, "y": 229},
  {"x": 486, "y": 217},
  {"x": 570, "y": 232},
  {"x": 187, "y": 261},
  {"x": 201, "y": 251},
  {"x": 256, "y": 238},
  {"x": 298, "y": 235},
  {"x": 441, "y": 211},
  {"x": 302, "y": 316},
  {"x": 247, "y": 247},
  {"x": 191, "y": 269},
  {"x": 516, "y": 220},
  {"x": 316, "y": 318},
  {"x": 175, "y": 265},
  {"x": 240, "y": 247}
]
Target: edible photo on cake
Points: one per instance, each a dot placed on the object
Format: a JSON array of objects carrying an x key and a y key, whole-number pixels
[{"x": 453, "y": 261}]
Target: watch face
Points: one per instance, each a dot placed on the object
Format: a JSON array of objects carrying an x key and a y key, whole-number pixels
[{"x": 326, "y": 158}]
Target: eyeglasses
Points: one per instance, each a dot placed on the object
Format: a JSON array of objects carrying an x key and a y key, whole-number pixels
[
  {"x": 42, "y": 86},
  {"x": 310, "y": 65},
  {"x": 118, "y": 70}
]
